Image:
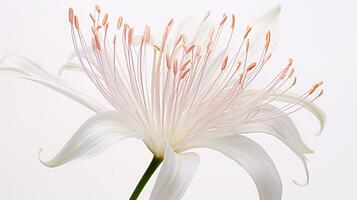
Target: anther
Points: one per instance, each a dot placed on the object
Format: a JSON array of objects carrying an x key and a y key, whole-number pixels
[
  {"x": 183, "y": 73},
  {"x": 168, "y": 62},
  {"x": 169, "y": 25},
  {"x": 120, "y": 22},
  {"x": 224, "y": 63},
  {"x": 239, "y": 64},
  {"x": 290, "y": 62},
  {"x": 251, "y": 66},
  {"x": 233, "y": 21},
  {"x": 294, "y": 82},
  {"x": 223, "y": 19},
  {"x": 97, "y": 7},
  {"x": 70, "y": 15},
  {"x": 105, "y": 19},
  {"x": 267, "y": 39},
  {"x": 313, "y": 88},
  {"x": 92, "y": 18},
  {"x": 247, "y": 32},
  {"x": 175, "y": 67},
  {"x": 147, "y": 34},
  {"x": 184, "y": 65},
  {"x": 178, "y": 40},
  {"x": 207, "y": 15},
  {"x": 291, "y": 72},
  {"x": 130, "y": 35},
  {"x": 157, "y": 48},
  {"x": 76, "y": 23},
  {"x": 97, "y": 42},
  {"x": 189, "y": 48}
]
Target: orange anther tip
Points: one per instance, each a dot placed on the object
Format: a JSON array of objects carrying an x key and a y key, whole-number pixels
[
  {"x": 105, "y": 19},
  {"x": 183, "y": 73},
  {"x": 120, "y": 22},
  {"x": 223, "y": 19},
  {"x": 224, "y": 63},
  {"x": 76, "y": 23},
  {"x": 251, "y": 66},
  {"x": 249, "y": 28},
  {"x": 233, "y": 21},
  {"x": 97, "y": 7},
  {"x": 70, "y": 15},
  {"x": 156, "y": 47}
]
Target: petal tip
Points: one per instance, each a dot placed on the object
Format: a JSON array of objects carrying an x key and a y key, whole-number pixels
[{"x": 43, "y": 162}]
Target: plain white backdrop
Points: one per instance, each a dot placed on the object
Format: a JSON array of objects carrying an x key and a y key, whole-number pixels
[{"x": 320, "y": 35}]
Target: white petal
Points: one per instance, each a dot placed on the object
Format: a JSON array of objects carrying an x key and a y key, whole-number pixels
[
  {"x": 282, "y": 127},
  {"x": 267, "y": 22},
  {"x": 93, "y": 137},
  {"x": 315, "y": 110},
  {"x": 252, "y": 157},
  {"x": 291, "y": 98},
  {"x": 175, "y": 175},
  {"x": 285, "y": 130},
  {"x": 23, "y": 68},
  {"x": 199, "y": 35}
]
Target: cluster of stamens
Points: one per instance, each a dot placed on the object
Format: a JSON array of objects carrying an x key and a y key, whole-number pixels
[{"x": 183, "y": 89}]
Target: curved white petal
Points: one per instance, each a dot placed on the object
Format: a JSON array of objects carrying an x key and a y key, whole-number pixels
[
  {"x": 252, "y": 157},
  {"x": 175, "y": 175},
  {"x": 23, "y": 68},
  {"x": 285, "y": 130},
  {"x": 291, "y": 98},
  {"x": 93, "y": 137},
  {"x": 282, "y": 127},
  {"x": 267, "y": 22},
  {"x": 314, "y": 109}
]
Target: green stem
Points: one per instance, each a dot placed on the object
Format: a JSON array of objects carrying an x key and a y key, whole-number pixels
[{"x": 155, "y": 162}]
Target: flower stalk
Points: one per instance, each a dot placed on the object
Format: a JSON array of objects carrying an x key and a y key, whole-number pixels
[{"x": 154, "y": 164}]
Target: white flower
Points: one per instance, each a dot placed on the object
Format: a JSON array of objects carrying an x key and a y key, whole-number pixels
[{"x": 185, "y": 91}]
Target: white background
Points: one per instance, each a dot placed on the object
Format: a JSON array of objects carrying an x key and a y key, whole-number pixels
[{"x": 320, "y": 35}]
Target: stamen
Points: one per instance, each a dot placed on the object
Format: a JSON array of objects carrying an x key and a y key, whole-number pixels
[
  {"x": 76, "y": 23},
  {"x": 207, "y": 15},
  {"x": 168, "y": 62},
  {"x": 120, "y": 22},
  {"x": 130, "y": 35},
  {"x": 223, "y": 20},
  {"x": 147, "y": 34},
  {"x": 314, "y": 87},
  {"x": 105, "y": 19},
  {"x": 233, "y": 21},
  {"x": 70, "y": 15},
  {"x": 247, "y": 32},
  {"x": 251, "y": 66},
  {"x": 92, "y": 18},
  {"x": 267, "y": 39},
  {"x": 175, "y": 67},
  {"x": 183, "y": 73},
  {"x": 97, "y": 7},
  {"x": 224, "y": 63},
  {"x": 183, "y": 66}
]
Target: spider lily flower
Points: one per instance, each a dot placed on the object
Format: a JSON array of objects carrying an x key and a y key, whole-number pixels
[{"x": 188, "y": 90}]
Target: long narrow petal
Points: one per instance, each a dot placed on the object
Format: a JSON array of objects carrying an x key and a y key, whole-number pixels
[
  {"x": 23, "y": 68},
  {"x": 93, "y": 137},
  {"x": 291, "y": 98},
  {"x": 252, "y": 157},
  {"x": 175, "y": 175},
  {"x": 285, "y": 130},
  {"x": 314, "y": 109},
  {"x": 266, "y": 22}
]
